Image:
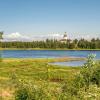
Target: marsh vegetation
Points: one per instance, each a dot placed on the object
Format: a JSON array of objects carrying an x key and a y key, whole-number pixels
[{"x": 29, "y": 79}]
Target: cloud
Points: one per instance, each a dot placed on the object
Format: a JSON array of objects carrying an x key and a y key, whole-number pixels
[
  {"x": 47, "y": 36},
  {"x": 55, "y": 36},
  {"x": 83, "y": 35},
  {"x": 21, "y": 37},
  {"x": 16, "y": 37}
]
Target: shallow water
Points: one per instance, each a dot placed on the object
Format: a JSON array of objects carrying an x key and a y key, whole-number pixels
[
  {"x": 70, "y": 63},
  {"x": 51, "y": 54}
]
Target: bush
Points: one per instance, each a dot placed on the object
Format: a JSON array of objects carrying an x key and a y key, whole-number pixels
[
  {"x": 29, "y": 92},
  {"x": 89, "y": 75},
  {"x": 88, "y": 70},
  {"x": 21, "y": 93},
  {"x": 96, "y": 75},
  {"x": 93, "y": 93}
]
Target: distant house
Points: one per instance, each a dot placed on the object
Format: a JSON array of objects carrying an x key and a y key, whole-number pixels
[{"x": 64, "y": 39}]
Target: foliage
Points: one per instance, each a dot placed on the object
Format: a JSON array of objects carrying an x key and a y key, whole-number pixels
[
  {"x": 21, "y": 94},
  {"x": 29, "y": 92},
  {"x": 83, "y": 84},
  {"x": 54, "y": 44},
  {"x": 96, "y": 75},
  {"x": 92, "y": 93}
]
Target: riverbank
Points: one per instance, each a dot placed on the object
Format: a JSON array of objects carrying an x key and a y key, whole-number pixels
[{"x": 48, "y": 49}]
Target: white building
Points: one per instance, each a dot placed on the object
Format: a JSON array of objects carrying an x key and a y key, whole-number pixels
[{"x": 64, "y": 39}]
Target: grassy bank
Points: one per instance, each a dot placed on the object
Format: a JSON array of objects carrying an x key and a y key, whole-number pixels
[
  {"x": 46, "y": 60},
  {"x": 33, "y": 71}
]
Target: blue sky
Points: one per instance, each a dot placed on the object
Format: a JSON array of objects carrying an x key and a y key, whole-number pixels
[{"x": 34, "y": 18}]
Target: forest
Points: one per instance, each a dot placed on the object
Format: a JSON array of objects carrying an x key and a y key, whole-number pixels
[{"x": 55, "y": 44}]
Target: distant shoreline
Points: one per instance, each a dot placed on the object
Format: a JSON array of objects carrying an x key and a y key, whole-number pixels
[{"x": 48, "y": 49}]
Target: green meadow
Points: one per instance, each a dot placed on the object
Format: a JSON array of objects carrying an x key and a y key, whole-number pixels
[{"x": 35, "y": 79}]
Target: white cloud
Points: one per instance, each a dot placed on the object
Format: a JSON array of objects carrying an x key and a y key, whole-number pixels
[
  {"x": 84, "y": 35},
  {"x": 21, "y": 37},
  {"x": 47, "y": 36},
  {"x": 16, "y": 37},
  {"x": 55, "y": 36}
]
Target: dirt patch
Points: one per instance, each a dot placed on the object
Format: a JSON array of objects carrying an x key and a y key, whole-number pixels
[
  {"x": 5, "y": 93},
  {"x": 56, "y": 80}
]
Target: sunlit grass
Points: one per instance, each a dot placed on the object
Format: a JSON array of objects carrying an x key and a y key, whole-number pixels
[{"x": 36, "y": 71}]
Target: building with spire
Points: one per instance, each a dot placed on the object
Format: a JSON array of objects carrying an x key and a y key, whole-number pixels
[{"x": 64, "y": 39}]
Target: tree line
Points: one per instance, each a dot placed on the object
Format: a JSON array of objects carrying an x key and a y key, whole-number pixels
[{"x": 54, "y": 44}]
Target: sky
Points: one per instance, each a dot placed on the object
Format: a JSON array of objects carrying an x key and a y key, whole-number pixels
[{"x": 40, "y": 19}]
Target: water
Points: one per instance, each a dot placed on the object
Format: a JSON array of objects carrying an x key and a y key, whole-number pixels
[
  {"x": 70, "y": 63},
  {"x": 50, "y": 54},
  {"x": 47, "y": 53}
]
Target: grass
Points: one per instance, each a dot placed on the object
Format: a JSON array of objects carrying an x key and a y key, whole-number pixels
[
  {"x": 36, "y": 79},
  {"x": 35, "y": 71},
  {"x": 61, "y": 59}
]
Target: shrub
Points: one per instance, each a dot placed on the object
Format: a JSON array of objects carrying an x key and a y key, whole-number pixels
[
  {"x": 29, "y": 92},
  {"x": 88, "y": 70},
  {"x": 21, "y": 93},
  {"x": 96, "y": 75},
  {"x": 93, "y": 93},
  {"x": 89, "y": 74}
]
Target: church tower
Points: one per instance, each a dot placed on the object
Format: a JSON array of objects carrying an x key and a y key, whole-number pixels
[
  {"x": 65, "y": 36},
  {"x": 64, "y": 39}
]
